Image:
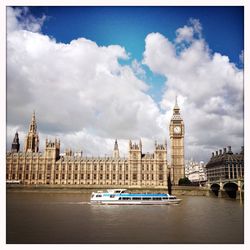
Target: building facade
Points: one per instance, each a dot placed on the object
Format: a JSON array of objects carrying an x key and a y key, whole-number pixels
[
  {"x": 225, "y": 165},
  {"x": 31, "y": 167},
  {"x": 195, "y": 171}
]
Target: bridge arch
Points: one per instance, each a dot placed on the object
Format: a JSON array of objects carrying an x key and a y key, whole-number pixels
[
  {"x": 215, "y": 188},
  {"x": 231, "y": 189}
]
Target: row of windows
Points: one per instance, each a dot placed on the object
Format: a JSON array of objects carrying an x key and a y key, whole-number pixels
[
  {"x": 81, "y": 176},
  {"x": 147, "y": 198},
  {"x": 226, "y": 173},
  {"x": 90, "y": 182},
  {"x": 76, "y": 168},
  {"x": 29, "y": 161}
]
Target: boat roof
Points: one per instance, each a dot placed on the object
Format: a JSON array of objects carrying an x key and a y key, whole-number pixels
[
  {"x": 139, "y": 195},
  {"x": 118, "y": 190}
]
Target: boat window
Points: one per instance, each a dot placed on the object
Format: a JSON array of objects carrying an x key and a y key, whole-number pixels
[
  {"x": 120, "y": 198},
  {"x": 126, "y": 198},
  {"x": 98, "y": 195},
  {"x": 172, "y": 198},
  {"x": 136, "y": 198},
  {"x": 146, "y": 198},
  {"x": 112, "y": 196},
  {"x": 157, "y": 198}
]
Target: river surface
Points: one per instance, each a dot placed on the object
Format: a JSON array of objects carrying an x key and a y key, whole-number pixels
[{"x": 69, "y": 218}]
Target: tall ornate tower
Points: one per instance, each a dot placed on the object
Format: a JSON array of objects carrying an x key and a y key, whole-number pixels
[
  {"x": 176, "y": 132},
  {"x": 52, "y": 149},
  {"x": 135, "y": 150},
  {"x": 32, "y": 139},
  {"x": 134, "y": 160},
  {"x": 15, "y": 144},
  {"x": 116, "y": 150}
]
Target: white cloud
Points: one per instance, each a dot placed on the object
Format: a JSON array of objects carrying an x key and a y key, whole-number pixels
[
  {"x": 188, "y": 33},
  {"x": 195, "y": 23},
  {"x": 184, "y": 34},
  {"x": 79, "y": 90},
  {"x": 210, "y": 86},
  {"x": 138, "y": 69},
  {"x": 82, "y": 94},
  {"x": 20, "y": 18}
]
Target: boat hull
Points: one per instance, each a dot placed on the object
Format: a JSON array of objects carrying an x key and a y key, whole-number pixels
[{"x": 121, "y": 202}]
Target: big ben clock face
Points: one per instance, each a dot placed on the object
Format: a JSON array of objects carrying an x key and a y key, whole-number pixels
[{"x": 177, "y": 129}]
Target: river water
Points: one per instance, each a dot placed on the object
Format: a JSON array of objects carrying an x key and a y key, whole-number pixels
[{"x": 38, "y": 217}]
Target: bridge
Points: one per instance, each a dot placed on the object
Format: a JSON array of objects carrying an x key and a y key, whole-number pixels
[{"x": 233, "y": 188}]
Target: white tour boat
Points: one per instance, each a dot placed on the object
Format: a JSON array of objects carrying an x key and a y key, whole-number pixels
[{"x": 122, "y": 197}]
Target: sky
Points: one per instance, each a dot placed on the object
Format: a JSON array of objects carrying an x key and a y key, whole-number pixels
[{"x": 94, "y": 74}]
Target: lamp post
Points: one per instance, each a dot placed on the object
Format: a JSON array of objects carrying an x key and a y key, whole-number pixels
[{"x": 169, "y": 184}]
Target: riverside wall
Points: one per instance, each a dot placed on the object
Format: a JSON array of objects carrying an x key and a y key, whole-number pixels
[{"x": 176, "y": 190}]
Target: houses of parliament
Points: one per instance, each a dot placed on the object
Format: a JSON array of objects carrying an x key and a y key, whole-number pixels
[{"x": 32, "y": 167}]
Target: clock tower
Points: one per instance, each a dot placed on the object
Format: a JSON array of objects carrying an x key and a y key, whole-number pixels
[{"x": 176, "y": 132}]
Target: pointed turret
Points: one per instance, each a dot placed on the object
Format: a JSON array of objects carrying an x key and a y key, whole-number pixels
[
  {"x": 176, "y": 111},
  {"x": 116, "y": 150},
  {"x": 116, "y": 145},
  {"x": 140, "y": 145},
  {"x": 130, "y": 144},
  {"x": 15, "y": 144},
  {"x": 176, "y": 106}
]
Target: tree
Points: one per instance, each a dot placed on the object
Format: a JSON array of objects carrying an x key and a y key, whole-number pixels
[{"x": 184, "y": 182}]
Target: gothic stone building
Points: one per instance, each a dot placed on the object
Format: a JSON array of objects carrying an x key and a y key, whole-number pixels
[{"x": 137, "y": 170}]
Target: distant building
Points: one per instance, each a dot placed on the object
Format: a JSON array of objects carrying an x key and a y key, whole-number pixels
[
  {"x": 195, "y": 171},
  {"x": 225, "y": 165}
]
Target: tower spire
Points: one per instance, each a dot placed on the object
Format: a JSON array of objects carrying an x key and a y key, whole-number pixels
[
  {"x": 33, "y": 116},
  {"x": 176, "y": 106},
  {"x": 15, "y": 144},
  {"x": 32, "y": 139},
  {"x": 116, "y": 145},
  {"x": 176, "y": 111},
  {"x": 33, "y": 126},
  {"x": 116, "y": 150}
]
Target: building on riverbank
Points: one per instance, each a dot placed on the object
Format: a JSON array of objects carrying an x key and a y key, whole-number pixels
[
  {"x": 195, "y": 171},
  {"x": 225, "y": 165},
  {"x": 52, "y": 168},
  {"x": 225, "y": 173}
]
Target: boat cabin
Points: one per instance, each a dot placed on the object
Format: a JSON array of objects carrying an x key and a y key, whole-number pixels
[{"x": 116, "y": 191}]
